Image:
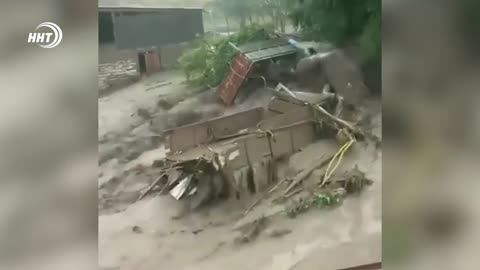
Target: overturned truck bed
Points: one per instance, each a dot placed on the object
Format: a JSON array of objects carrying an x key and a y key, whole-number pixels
[{"x": 236, "y": 155}]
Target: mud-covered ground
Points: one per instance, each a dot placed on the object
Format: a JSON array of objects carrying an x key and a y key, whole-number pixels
[{"x": 156, "y": 232}]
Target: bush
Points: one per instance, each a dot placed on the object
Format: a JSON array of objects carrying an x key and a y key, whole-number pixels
[{"x": 208, "y": 63}]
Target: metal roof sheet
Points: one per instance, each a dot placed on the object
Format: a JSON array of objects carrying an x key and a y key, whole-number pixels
[
  {"x": 266, "y": 49},
  {"x": 263, "y": 44},
  {"x": 269, "y": 53}
]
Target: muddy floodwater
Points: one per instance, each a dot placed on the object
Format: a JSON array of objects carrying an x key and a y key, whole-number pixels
[{"x": 151, "y": 234}]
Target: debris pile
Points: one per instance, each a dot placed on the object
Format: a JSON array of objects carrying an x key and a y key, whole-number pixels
[
  {"x": 235, "y": 156},
  {"x": 112, "y": 75},
  {"x": 310, "y": 65}
]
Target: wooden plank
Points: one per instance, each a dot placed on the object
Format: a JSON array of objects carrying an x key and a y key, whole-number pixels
[
  {"x": 228, "y": 125},
  {"x": 291, "y": 117},
  {"x": 281, "y": 106},
  {"x": 189, "y": 136}
]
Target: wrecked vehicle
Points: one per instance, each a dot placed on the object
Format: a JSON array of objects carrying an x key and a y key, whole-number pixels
[
  {"x": 310, "y": 64},
  {"x": 249, "y": 60},
  {"x": 235, "y": 156}
]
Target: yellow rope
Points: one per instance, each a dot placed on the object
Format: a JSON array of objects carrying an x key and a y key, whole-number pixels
[{"x": 339, "y": 155}]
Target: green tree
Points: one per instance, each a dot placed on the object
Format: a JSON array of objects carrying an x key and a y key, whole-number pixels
[
  {"x": 278, "y": 10},
  {"x": 342, "y": 22},
  {"x": 240, "y": 10}
]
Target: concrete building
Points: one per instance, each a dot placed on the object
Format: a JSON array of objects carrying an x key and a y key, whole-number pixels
[{"x": 152, "y": 36}]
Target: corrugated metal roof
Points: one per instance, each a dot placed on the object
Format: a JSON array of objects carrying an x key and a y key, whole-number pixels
[
  {"x": 267, "y": 49},
  {"x": 263, "y": 44},
  {"x": 146, "y": 4},
  {"x": 269, "y": 53}
]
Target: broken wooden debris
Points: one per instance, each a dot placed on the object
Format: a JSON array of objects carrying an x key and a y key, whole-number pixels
[
  {"x": 240, "y": 150},
  {"x": 318, "y": 107},
  {"x": 322, "y": 161},
  {"x": 294, "y": 192},
  {"x": 278, "y": 105},
  {"x": 247, "y": 162},
  {"x": 196, "y": 179},
  {"x": 253, "y": 205},
  {"x": 337, "y": 120},
  {"x": 150, "y": 188},
  {"x": 173, "y": 175},
  {"x": 162, "y": 190},
  {"x": 277, "y": 185},
  {"x": 281, "y": 103}
]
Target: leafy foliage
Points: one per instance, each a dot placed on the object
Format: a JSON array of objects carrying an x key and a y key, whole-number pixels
[
  {"x": 332, "y": 195},
  {"x": 337, "y": 21},
  {"x": 208, "y": 63},
  {"x": 341, "y": 22},
  {"x": 276, "y": 10},
  {"x": 320, "y": 200}
]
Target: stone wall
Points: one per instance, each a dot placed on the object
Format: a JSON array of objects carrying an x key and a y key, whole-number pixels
[
  {"x": 169, "y": 54},
  {"x": 117, "y": 74}
]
